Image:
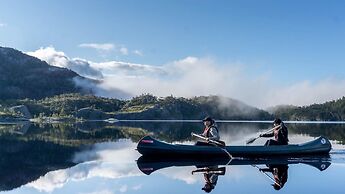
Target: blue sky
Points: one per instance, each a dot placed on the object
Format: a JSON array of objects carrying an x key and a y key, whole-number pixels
[{"x": 292, "y": 41}]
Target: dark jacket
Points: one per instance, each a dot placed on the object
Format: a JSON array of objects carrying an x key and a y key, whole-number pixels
[{"x": 280, "y": 134}]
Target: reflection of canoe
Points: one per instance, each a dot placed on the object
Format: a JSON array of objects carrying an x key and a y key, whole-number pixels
[
  {"x": 149, "y": 146},
  {"x": 148, "y": 164}
]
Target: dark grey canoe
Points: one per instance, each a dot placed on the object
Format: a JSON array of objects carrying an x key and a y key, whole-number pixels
[{"x": 150, "y": 146}]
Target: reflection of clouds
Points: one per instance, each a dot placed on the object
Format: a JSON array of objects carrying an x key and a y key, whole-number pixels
[
  {"x": 80, "y": 172},
  {"x": 137, "y": 187},
  {"x": 181, "y": 173},
  {"x": 123, "y": 188},
  {"x": 116, "y": 160},
  {"x": 57, "y": 179},
  {"x": 111, "y": 160},
  {"x": 109, "y": 151}
]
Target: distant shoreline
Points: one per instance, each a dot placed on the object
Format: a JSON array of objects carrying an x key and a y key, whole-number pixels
[
  {"x": 235, "y": 121},
  {"x": 193, "y": 121}
]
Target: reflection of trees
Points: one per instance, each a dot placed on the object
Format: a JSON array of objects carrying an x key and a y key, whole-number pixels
[
  {"x": 331, "y": 131},
  {"x": 22, "y": 162},
  {"x": 181, "y": 131},
  {"x": 75, "y": 134},
  {"x": 72, "y": 134}
]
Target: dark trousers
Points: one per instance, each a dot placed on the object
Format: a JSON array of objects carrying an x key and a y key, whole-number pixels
[
  {"x": 274, "y": 142},
  {"x": 202, "y": 143}
]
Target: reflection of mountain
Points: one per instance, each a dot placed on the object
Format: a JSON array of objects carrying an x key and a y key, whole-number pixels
[
  {"x": 70, "y": 134},
  {"x": 76, "y": 134},
  {"x": 20, "y": 128},
  {"x": 22, "y": 162},
  {"x": 180, "y": 131}
]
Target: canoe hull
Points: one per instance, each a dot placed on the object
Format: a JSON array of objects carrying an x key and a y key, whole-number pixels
[{"x": 149, "y": 146}]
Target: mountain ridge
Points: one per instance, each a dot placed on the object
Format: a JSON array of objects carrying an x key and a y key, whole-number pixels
[{"x": 24, "y": 76}]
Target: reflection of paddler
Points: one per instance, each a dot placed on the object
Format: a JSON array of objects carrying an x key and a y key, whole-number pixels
[
  {"x": 280, "y": 174},
  {"x": 211, "y": 174}
]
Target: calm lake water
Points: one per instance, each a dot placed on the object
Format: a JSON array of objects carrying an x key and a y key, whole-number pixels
[{"x": 100, "y": 158}]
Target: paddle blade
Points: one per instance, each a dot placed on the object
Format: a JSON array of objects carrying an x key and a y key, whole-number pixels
[{"x": 251, "y": 140}]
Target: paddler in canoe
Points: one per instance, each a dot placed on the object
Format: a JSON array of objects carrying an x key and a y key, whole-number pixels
[
  {"x": 210, "y": 133},
  {"x": 279, "y": 132}
]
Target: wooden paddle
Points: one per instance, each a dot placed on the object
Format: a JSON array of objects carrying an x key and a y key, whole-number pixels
[
  {"x": 219, "y": 144},
  {"x": 219, "y": 171},
  {"x": 251, "y": 140}
]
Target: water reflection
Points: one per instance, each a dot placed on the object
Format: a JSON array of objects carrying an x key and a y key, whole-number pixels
[
  {"x": 212, "y": 168},
  {"x": 111, "y": 160},
  {"x": 101, "y": 157},
  {"x": 211, "y": 174},
  {"x": 279, "y": 173},
  {"x": 22, "y": 162}
]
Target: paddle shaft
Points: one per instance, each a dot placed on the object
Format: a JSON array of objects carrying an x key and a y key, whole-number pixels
[
  {"x": 218, "y": 144},
  {"x": 207, "y": 139},
  {"x": 219, "y": 171},
  {"x": 268, "y": 176},
  {"x": 253, "y": 139}
]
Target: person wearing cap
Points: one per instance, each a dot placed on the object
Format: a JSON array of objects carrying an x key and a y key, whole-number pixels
[
  {"x": 210, "y": 131},
  {"x": 280, "y": 134}
]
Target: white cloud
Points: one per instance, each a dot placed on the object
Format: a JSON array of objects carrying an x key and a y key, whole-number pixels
[
  {"x": 194, "y": 76},
  {"x": 118, "y": 68},
  {"x": 103, "y": 47},
  {"x": 305, "y": 93},
  {"x": 124, "y": 50},
  {"x": 2, "y": 25},
  {"x": 59, "y": 59},
  {"x": 202, "y": 76},
  {"x": 107, "y": 47},
  {"x": 139, "y": 53}
]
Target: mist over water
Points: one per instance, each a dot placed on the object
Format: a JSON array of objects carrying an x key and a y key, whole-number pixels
[{"x": 194, "y": 76}]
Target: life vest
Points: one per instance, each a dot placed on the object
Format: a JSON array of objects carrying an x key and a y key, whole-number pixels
[{"x": 206, "y": 132}]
